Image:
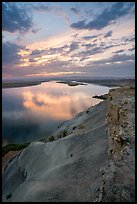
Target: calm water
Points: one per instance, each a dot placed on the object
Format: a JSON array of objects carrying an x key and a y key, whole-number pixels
[{"x": 34, "y": 112}]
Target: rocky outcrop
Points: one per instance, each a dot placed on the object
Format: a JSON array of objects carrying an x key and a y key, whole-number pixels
[{"x": 118, "y": 179}]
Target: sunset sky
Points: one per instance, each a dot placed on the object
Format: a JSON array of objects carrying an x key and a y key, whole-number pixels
[{"x": 68, "y": 38}]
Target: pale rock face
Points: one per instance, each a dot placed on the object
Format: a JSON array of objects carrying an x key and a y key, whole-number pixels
[{"x": 67, "y": 169}]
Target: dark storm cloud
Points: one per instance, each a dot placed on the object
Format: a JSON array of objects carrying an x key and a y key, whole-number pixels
[
  {"x": 107, "y": 17},
  {"x": 10, "y": 53},
  {"x": 15, "y": 18},
  {"x": 108, "y": 34}
]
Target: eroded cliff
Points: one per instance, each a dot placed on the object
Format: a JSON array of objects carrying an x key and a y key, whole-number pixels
[{"x": 118, "y": 179}]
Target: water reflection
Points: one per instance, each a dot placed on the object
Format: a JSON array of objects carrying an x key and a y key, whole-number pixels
[{"x": 31, "y": 113}]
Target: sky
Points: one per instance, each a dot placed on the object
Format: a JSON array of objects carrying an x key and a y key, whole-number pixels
[{"x": 53, "y": 39}]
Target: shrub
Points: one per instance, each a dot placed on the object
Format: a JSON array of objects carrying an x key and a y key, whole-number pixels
[
  {"x": 103, "y": 97},
  {"x": 51, "y": 138},
  {"x": 81, "y": 127},
  {"x": 13, "y": 147},
  {"x": 64, "y": 133},
  {"x": 87, "y": 111},
  {"x": 132, "y": 87},
  {"x": 9, "y": 196}
]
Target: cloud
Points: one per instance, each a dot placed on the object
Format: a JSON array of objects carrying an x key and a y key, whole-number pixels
[
  {"x": 64, "y": 50},
  {"x": 55, "y": 10},
  {"x": 75, "y": 11},
  {"x": 108, "y": 34},
  {"x": 130, "y": 39},
  {"x": 42, "y": 7},
  {"x": 131, "y": 49},
  {"x": 15, "y": 18},
  {"x": 79, "y": 25},
  {"x": 91, "y": 51},
  {"x": 53, "y": 66},
  {"x": 90, "y": 37},
  {"x": 112, "y": 70},
  {"x": 10, "y": 53},
  {"x": 35, "y": 30},
  {"x": 122, "y": 58},
  {"x": 107, "y": 17},
  {"x": 52, "y": 50},
  {"x": 37, "y": 52},
  {"x": 32, "y": 60},
  {"x": 90, "y": 12},
  {"x": 110, "y": 46},
  {"x": 83, "y": 58},
  {"x": 75, "y": 35},
  {"x": 95, "y": 40},
  {"x": 89, "y": 45},
  {"x": 116, "y": 58},
  {"x": 118, "y": 51},
  {"x": 73, "y": 46}
]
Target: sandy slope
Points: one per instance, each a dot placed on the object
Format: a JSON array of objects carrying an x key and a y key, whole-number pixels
[{"x": 67, "y": 169}]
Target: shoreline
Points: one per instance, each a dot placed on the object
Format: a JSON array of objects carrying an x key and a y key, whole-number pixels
[
  {"x": 19, "y": 84},
  {"x": 71, "y": 82}
]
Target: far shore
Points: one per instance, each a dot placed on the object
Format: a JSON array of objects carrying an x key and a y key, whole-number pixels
[
  {"x": 72, "y": 82},
  {"x": 19, "y": 84}
]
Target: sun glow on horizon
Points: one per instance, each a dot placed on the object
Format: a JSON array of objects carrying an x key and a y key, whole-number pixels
[{"x": 53, "y": 74}]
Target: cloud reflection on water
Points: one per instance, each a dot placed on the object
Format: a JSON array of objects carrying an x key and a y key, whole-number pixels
[{"x": 30, "y": 113}]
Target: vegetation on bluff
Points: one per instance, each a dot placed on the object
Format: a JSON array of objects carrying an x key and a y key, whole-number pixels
[{"x": 13, "y": 147}]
